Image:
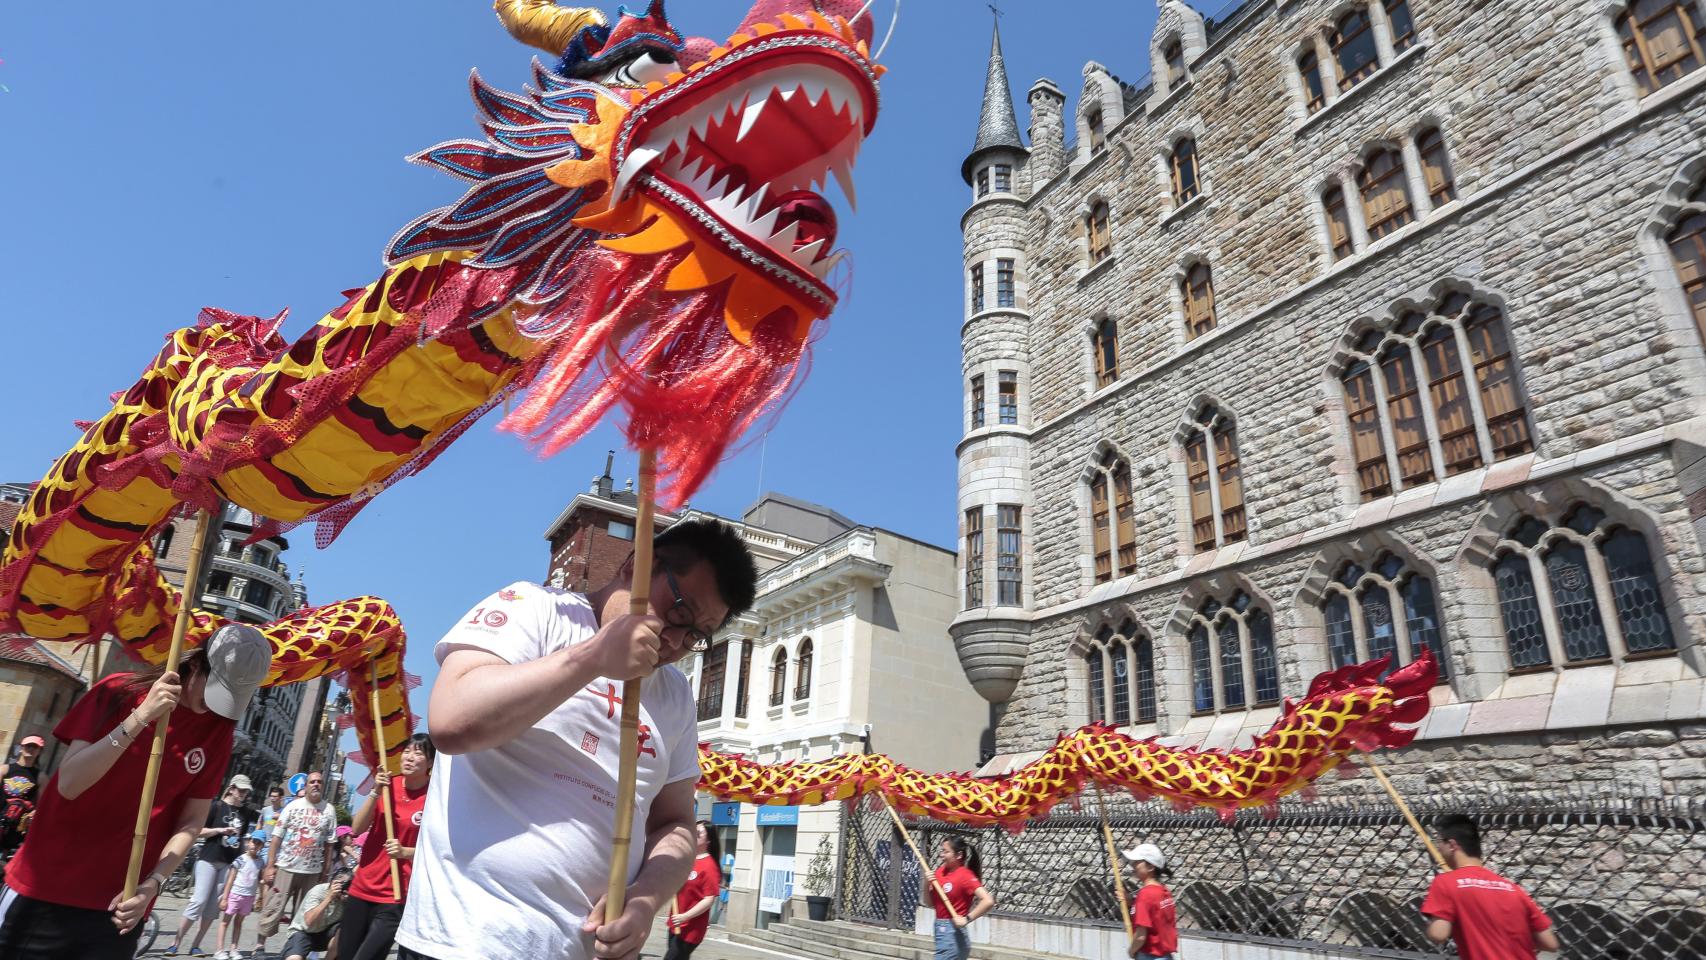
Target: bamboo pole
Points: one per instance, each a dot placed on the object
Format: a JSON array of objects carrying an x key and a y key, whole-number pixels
[
  {"x": 639, "y": 604},
  {"x": 1113, "y": 861},
  {"x": 1397, "y": 799},
  {"x": 384, "y": 763},
  {"x": 151, "y": 780},
  {"x": 923, "y": 863}
]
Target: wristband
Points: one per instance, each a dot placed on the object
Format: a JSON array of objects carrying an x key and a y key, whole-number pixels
[{"x": 159, "y": 881}]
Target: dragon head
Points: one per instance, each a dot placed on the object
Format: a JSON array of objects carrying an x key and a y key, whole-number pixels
[{"x": 716, "y": 152}]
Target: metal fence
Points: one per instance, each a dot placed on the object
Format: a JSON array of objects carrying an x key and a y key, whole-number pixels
[{"x": 1621, "y": 879}]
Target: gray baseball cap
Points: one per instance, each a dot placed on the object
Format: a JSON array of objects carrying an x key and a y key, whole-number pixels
[{"x": 238, "y": 659}]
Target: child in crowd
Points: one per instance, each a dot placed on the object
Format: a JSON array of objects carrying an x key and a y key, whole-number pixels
[{"x": 238, "y": 899}]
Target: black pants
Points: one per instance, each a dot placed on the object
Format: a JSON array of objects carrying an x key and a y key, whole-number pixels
[
  {"x": 679, "y": 949},
  {"x": 38, "y": 930},
  {"x": 369, "y": 929}
]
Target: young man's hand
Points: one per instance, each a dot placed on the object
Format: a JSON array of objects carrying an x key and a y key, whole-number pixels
[
  {"x": 622, "y": 939},
  {"x": 627, "y": 648}
]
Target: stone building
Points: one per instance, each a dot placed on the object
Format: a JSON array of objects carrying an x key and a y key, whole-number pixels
[
  {"x": 846, "y": 649},
  {"x": 1354, "y": 327}
]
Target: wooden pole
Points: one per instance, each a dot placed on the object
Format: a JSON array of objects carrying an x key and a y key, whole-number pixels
[
  {"x": 1397, "y": 799},
  {"x": 1113, "y": 861},
  {"x": 151, "y": 779},
  {"x": 384, "y": 763},
  {"x": 923, "y": 863},
  {"x": 639, "y": 604}
]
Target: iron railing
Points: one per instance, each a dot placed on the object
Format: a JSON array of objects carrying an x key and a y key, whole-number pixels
[{"x": 1621, "y": 879}]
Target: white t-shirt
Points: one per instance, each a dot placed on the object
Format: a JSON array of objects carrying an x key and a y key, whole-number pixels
[
  {"x": 248, "y": 876},
  {"x": 306, "y": 828},
  {"x": 515, "y": 841}
]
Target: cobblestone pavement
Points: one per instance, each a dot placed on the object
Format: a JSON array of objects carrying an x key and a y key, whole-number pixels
[{"x": 714, "y": 948}]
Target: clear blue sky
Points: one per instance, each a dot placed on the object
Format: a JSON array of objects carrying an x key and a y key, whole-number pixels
[{"x": 162, "y": 157}]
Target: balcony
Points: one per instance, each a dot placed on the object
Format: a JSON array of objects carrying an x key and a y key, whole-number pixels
[{"x": 711, "y": 703}]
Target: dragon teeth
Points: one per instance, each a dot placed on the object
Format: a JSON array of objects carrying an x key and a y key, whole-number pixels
[
  {"x": 808, "y": 254},
  {"x": 785, "y": 238}
]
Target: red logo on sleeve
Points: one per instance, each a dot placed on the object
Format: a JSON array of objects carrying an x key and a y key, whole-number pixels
[{"x": 496, "y": 618}]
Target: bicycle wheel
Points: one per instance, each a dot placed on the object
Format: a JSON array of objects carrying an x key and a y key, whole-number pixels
[{"x": 150, "y": 933}]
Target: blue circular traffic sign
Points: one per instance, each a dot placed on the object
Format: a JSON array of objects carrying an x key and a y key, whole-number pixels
[{"x": 298, "y": 784}]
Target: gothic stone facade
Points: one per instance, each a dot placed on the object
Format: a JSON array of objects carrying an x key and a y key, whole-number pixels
[{"x": 1570, "y": 182}]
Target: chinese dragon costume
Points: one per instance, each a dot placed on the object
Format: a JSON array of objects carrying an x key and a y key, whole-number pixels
[{"x": 641, "y": 229}]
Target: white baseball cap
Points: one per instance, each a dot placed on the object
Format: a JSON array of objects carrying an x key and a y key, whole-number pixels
[
  {"x": 238, "y": 659},
  {"x": 1149, "y": 853}
]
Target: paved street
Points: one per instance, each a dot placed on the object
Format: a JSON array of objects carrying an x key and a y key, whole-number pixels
[{"x": 714, "y": 948}]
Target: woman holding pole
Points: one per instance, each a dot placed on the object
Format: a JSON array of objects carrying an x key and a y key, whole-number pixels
[
  {"x": 64, "y": 894},
  {"x": 960, "y": 879},
  {"x": 1155, "y": 921},
  {"x": 374, "y": 907}
]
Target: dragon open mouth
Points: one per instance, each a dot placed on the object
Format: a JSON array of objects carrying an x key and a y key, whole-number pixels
[{"x": 744, "y": 141}]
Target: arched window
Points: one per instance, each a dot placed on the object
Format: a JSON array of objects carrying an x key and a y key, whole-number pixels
[
  {"x": 803, "y": 670},
  {"x": 713, "y": 668},
  {"x": 1385, "y": 193},
  {"x": 744, "y": 678},
  {"x": 1309, "y": 71},
  {"x": 1104, "y": 345},
  {"x": 1436, "y": 167},
  {"x": 1384, "y": 609},
  {"x": 1098, "y": 135},
  {"x": 1119, "y": 670},
  {"x": 1101, "y": 238},
  {"x": 1339, "y": 235},
  {"x": 1143, "y": 678},
  {"x": 1662, "y": 40},
  {"x": 1352, "y": 41},
  {"x": 1688, "y": 249},
  {"x": 1216, "y": 487},
  {"x": 1402, "y": 24},
  {"x": 778, "y": 677},
  {"x": 1410, "y": 384},
  {"x": 1234, "y": 662},
  {"x": 1196, "y": 291},
  {"x": 1182, "y": 163},
  {"x": 1096, "y": 671},
  {"x": 1174, "y": 55},
  {"x": 1113, "y": 518},
  {"x": 1578, "y": 590}
]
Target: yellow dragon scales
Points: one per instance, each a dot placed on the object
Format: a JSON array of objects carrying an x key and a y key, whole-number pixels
[{"x": 640, "y": 229}]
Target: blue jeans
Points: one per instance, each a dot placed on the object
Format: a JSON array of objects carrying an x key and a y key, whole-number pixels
[{"x": 952, "y": 943}]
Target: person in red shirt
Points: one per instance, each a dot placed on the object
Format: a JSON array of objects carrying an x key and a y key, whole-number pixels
[
  {"x": 1154, "y": 919},
  {"x": 690, "y": 918},
  {"x": 371, "y": 911},
  {"x": 64, "y": 887},
  {"x": 1490, "y": 917},
  {"x": 960, "y": 877}
]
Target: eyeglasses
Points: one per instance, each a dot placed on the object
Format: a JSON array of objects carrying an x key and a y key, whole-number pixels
[{"x": 682, "y": 617}]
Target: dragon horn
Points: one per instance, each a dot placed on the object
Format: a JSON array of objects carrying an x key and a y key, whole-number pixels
[{"x": 543, "y": 24}]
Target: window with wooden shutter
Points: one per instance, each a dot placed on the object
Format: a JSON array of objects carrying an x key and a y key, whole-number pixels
[
  {"x": 1309, "y": 71},
  {"x": 1174, "y": 55},
  {"x": 1403, "y": 25},
  {"x": 1338, "y": 223},
  {"x": 1099, "y": 526},
  {"x": 1368, "y": 446},
  {"x": 1436, "y": 167},
  {"x": 1404, "y": 412},
  {"x": 1232, "y": 528},
  {"x": 1197, "y": 290},
  {"x": 1202, "y": 498},
  {"x": 1183, "y": 164},
  {"x": 1101, "y": 238},
  {"x": 1662, "y": 40},
  {"x": 1688, "y": 250},
  {"x": 1125, "y": 519},
  {"x": 1385, "y": 194},
  {"x": 1501, "y": 398},
  {"x": 1104, "y": 343},
  {"x": 974, "y": 557},
  {"x": 1352, "y": 41},
  {"x": 1456, "y": 420}
]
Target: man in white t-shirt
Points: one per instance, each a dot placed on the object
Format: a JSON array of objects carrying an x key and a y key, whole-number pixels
[
  {"x": 298, "y": 853},
  {"x": 515, "y": 843}
]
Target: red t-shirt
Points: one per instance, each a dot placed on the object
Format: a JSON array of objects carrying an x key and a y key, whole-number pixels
[
  {"x": 1153, "y": 910},
  {"x": 1491, "y": 917},
  {"x": 373, "y": 874},
  {"x": 706, "y": 880},
  {"x": 77, "y": 851},
  {"x": 959, "y": 884}
]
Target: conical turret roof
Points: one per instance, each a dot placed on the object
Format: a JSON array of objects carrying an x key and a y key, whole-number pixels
[{"x": 998, "y": 125}]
